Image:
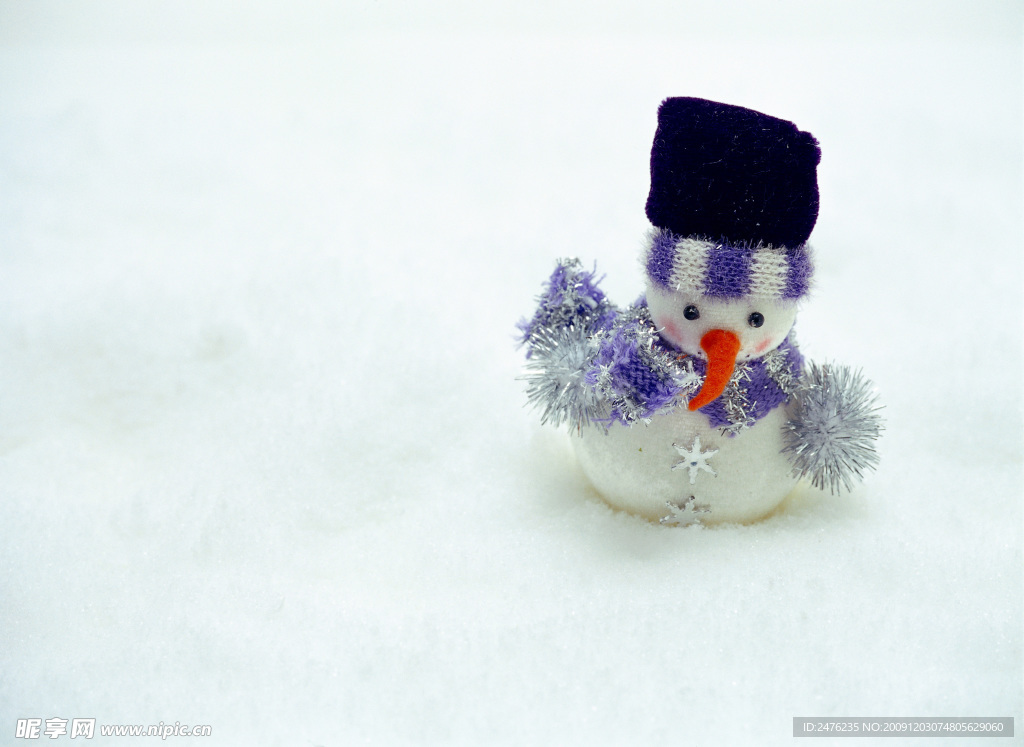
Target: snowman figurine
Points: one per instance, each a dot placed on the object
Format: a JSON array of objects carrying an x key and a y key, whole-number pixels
[{"x": 694, "y": 405}]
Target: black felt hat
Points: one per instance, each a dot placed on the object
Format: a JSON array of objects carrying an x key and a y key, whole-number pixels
[{"x": 723, "y": 172}]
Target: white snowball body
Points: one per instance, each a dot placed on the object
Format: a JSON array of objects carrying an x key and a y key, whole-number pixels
[
  {"x": 632, "y": 467},
  {"x": 641, "y": 468}
]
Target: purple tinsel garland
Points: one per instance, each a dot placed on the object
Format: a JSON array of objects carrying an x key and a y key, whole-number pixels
[
  {"x": 762, "y": 391},
  {"x": 628, "y": 372}
]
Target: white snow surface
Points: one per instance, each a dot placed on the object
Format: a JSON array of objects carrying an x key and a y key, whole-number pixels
[{"x": 264, "y": 461}]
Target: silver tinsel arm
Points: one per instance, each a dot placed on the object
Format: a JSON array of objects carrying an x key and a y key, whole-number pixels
[
  {"x": 588, "y": 362},
  {"x": 571, "y": 297},
  {"x": 554, "y": 377},
  {"x": 834, "y": 427}
]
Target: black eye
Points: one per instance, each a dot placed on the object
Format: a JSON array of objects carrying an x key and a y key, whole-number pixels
[
  {"x": 756, "y": 319},
  {"x": 691, "y": 312}
]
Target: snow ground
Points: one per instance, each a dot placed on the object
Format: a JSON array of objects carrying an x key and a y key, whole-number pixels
[{"x": 264, "y": 463}]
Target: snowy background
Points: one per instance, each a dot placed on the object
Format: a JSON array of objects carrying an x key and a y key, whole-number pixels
[{"x": 264, "y": 463}]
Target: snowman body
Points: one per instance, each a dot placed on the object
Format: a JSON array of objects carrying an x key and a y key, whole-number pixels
[
  {"x": 701, "y": 462},
  {"x": 679, "y": 460}
]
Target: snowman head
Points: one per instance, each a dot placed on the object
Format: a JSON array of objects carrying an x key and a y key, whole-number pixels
[
  {"x": 734, "y": 198},
  {"x": 684, "y": 318},
  {"x": 723, "y": 303}
]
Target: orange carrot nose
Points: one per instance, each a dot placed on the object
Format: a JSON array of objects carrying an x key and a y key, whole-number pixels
[{"x": 721, "y": 347}]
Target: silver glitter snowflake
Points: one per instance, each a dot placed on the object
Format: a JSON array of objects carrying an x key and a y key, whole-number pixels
[
  {"x": 694, "y": 459},
  {"x": 684, "y": 514},
  {"x": 834, "y": 427}
]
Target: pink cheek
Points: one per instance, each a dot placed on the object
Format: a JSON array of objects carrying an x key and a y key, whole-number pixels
[
  {"x": 670, "y": 329},
  {"x": 760, "y": 347}
]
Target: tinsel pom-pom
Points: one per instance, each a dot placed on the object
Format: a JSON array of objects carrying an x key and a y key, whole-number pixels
[
  {"x": 555, "y": 375},
  {"x": 835, "y": 424}
]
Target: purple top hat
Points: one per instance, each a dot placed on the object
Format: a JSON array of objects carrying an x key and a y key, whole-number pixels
[{"x": 734, "y": 197}]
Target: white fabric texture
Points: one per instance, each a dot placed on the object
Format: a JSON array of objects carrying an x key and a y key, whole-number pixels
[{"x": 633, "y": 467}]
